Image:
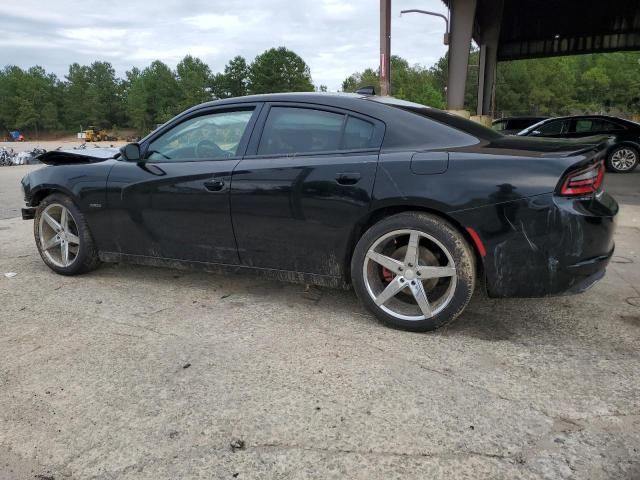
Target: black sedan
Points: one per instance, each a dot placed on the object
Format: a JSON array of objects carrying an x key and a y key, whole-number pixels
[
  {"x": 411, "y": 206},
  {"x": 624, "y": 150}
]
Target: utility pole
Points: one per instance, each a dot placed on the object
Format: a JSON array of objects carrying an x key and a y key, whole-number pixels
[{"x": 385, "y": 47}]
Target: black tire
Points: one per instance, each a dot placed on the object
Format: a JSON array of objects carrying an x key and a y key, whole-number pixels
[
  {"x": 610, "y": 159},
  {"x": 438, "y": 229},
  {"x": 86, "y": 258}
]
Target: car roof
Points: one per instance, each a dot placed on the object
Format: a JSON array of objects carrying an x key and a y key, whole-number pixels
[
  {"x": 622, "y": 121},
  {"x": 577, "y": 117},
  {"x": 525, "y": 117},
  {"x": 312, "y": 97}
]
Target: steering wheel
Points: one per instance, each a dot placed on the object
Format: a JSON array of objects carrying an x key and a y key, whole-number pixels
[{"x": 208, "y": 149}]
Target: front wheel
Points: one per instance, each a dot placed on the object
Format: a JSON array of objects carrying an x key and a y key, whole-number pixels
[
  {"x": 63, "y": 237},
  {"x": 622, "y": 159},
  {"x": 413, "y": 271}
]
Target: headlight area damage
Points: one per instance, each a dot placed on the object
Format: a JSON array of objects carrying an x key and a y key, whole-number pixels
[{"x": 81, "y": 170}]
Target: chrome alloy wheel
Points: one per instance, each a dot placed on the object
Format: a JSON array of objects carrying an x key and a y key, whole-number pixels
[
  {"x": 623, "y": 159},
  {"x": 398, "y": 267},
  {"x": 59, "y": 239}
]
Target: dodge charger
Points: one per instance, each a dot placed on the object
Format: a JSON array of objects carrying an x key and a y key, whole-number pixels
[{"x": 412, "y": 207}]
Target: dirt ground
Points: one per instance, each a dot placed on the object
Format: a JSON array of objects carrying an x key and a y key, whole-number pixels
[{"x": 142, "y": 373}]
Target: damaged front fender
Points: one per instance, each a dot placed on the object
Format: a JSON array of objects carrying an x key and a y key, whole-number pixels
[{"x": 68, "y": 157}]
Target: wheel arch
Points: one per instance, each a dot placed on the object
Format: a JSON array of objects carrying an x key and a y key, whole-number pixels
[
  {"x": 374, "y": 216},
  {"x": 39, "y": 194},
  {"x": 624, "y": 143}
]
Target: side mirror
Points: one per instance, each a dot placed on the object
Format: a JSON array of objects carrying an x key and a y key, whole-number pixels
[{"x": 131, "y": 152}]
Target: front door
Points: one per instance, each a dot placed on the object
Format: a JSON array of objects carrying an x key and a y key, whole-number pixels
[
  {"x": 175, "y": 203},
  {"x": 296, "y": 200}
]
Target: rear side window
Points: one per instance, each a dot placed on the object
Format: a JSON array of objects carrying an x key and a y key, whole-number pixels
[
  {"x": 299, "y": 130},
  {"x": 605, "y": 126},
  {"x": 290, "y": 130}
]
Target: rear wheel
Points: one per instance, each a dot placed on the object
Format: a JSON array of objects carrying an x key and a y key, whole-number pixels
[
  {"x": 413, "y": 271},
  {"x": 622, "y": 159},
  {"x": 63, "y": 237}
]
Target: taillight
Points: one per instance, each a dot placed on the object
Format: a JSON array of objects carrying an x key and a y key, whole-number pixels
[{"x": 583, "y": 182}]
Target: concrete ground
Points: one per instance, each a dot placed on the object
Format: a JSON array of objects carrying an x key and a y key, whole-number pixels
[{"x": 142, "y": 373}]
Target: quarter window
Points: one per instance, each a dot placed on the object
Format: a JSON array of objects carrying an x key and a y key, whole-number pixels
[
  {"x": 214, "y": 136},
  {"x": 357, "y": 134},
  {"x": 584, "y": 126},
  {"x": 290, "y": 130}
]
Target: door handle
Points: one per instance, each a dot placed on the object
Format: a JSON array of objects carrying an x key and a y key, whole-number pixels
[
  {"x": 347, "y": 178},
  {"x": 214, "y": 185}
]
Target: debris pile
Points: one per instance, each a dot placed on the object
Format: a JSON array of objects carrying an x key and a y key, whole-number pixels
[{"x": 9, "y": 157}]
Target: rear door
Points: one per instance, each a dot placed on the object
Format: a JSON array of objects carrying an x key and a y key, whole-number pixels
[
  {"x": 175, "y": 203},
  {"x": 306, "y": 180},
  {"x": 587, "y": 127}
]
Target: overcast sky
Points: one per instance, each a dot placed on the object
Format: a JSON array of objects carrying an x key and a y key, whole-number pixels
[{"x": 335, "y": 37}]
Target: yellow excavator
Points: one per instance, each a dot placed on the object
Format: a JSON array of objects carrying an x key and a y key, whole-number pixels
[{"x": 94, "y": 134}]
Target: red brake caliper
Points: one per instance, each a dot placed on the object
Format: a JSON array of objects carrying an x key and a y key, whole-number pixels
[{"x": 387, "y": 275}]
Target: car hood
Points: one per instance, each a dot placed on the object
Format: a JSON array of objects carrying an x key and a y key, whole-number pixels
[
  {"x": 89, "y": 155},
  {"x": 554, "y": 147}
]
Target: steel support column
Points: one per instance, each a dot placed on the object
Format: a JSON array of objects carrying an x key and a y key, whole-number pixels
[
  {"x": 462, "y": 16},
  {"x": 490, "y": 20}
]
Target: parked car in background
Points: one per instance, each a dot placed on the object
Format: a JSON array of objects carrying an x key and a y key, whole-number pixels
[
  {"x": 408, "y": 204},
  {"x": 514, "y": 125},
  {"x": 624, "y": 150}
]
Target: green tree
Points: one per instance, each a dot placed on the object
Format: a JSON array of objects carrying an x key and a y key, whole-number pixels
[
  {"x": 11, "y": 78},
  {"x": 279, "y": 70},
  {"x": 413, "y": 83},
  {"x": 28, "y": 99},
  {"x": 152, "y": 96},
  {"x": 194, "y": 82},
  {"x": 138, "y": 114},
  {"x": 104, "y": 106},
  {"x": 76, "y": 96},
  {"x": 440, "y": 74},
  {"x": 236, "y": 77}
]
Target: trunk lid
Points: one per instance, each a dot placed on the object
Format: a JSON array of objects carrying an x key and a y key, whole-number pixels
[{"x": 549, "y": 147}]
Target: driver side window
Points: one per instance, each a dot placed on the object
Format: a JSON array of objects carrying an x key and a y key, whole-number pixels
[{"x": 213, "y": 136}]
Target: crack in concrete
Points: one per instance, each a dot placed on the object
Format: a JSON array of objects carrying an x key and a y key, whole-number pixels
[
  {"x": 347, "y": 451},
  {"x": 142, "y": 327}
]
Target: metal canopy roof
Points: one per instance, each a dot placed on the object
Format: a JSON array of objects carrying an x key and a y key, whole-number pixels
[{"x": 546, "y": 28}]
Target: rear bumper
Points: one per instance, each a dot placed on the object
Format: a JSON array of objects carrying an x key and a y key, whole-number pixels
[
  {"x": 28, "y": 213},
  {"x": 546, "y": 245},
  {"x": 587, "y": 282}
]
